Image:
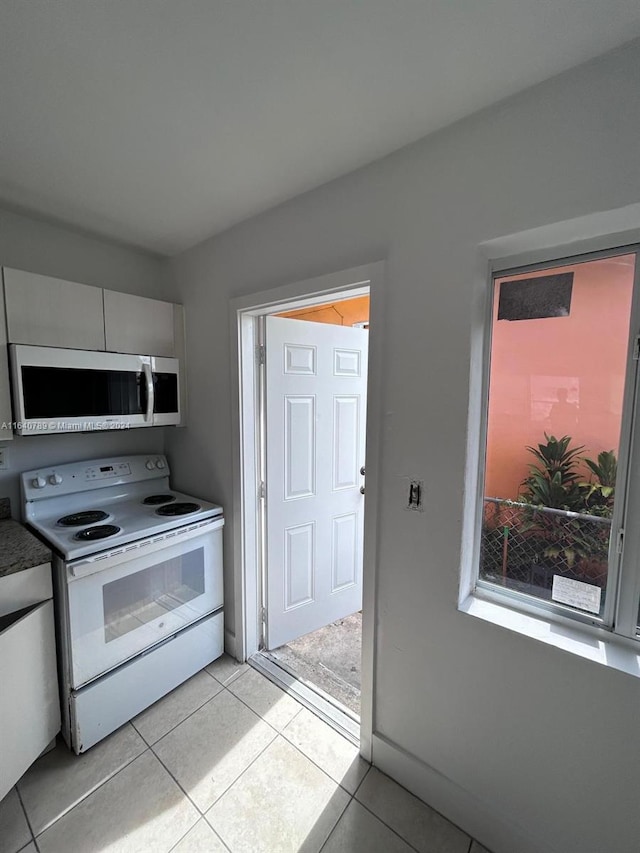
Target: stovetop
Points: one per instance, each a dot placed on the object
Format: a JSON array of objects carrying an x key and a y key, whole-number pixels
[{"x": 88, "y": 507}]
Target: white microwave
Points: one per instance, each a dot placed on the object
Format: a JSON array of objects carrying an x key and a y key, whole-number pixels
[{"x": 69, "y": 390}]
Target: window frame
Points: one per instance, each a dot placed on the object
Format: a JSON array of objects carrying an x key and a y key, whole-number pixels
[{"x": 620, "y": 616}]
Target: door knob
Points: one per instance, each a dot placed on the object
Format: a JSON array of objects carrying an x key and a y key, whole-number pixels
[{"x": 362, "y": 470}]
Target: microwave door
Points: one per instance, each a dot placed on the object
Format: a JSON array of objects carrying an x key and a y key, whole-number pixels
[
  {"x": 166, "y": 391},
  {"x": 58, "y": 390}
]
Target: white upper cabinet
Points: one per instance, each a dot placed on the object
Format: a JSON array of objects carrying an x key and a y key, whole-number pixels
[
  {"x": 47, "y": 311},
  {"x": 136, "y": 324}
]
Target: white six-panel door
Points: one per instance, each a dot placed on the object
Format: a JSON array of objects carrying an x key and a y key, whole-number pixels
[{"x": 316, "y": 390}]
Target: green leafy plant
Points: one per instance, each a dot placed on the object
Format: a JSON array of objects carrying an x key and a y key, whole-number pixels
[
  {"x": 598, "y": 496},
  {"x": 554, "y": 481}
]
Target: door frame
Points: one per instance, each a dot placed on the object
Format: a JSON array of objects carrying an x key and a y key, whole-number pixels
[{"x": 245, "y": 389}]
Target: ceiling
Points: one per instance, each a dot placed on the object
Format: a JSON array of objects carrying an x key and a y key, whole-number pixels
[{"x": 162, "y": 122}]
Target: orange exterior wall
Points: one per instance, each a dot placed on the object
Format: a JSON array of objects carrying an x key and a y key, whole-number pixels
[
  {"x": 343, "y": 313},
  {"x": 534, "y": 361}
]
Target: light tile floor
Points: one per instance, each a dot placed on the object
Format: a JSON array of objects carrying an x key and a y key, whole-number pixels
[{"x": 226, "y": 763}]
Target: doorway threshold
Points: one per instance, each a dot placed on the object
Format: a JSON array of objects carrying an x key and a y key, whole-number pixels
[{"x": 338, "y": 716}]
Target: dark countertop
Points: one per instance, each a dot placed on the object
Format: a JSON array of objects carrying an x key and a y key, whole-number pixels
[{"x": 19, "y": 549}]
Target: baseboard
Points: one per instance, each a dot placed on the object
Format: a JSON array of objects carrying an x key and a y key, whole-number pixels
[
  {"x": 230, "y": 643},
  {"x": 472, "y": 815}
]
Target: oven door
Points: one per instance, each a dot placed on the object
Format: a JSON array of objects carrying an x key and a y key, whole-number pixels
[
  {"x": 134, "y": 603},
  {"x": 61, "y": 390}
]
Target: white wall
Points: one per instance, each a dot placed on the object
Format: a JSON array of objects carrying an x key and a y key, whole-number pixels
[
  {"x": 40, "y": 247},
  {"x": 546, "y": 743}
]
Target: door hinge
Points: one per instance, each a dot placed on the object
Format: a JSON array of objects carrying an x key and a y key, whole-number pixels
[
  {"x": 262, "y": 491},
  {"x": 261, "y": 354},
  {"x": 620, "y": 542},
  {"x": 636, "y": 349}
]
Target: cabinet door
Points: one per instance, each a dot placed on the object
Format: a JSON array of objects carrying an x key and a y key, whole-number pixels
[
  {"x": 51, "y": 312},
  {"x": 138, "y": 325},
  {"x": 29, "y": 701}
]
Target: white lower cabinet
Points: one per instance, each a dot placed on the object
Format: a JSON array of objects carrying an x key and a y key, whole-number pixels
[{"x": 29, "y": 697}]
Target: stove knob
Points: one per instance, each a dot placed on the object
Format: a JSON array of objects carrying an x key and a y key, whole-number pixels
[
  {"x": 38, "y": 482},
  {"x": 150, "y": 464},
  {"x": 160, "y": 463},
  {"x": 55, "y": 479}
]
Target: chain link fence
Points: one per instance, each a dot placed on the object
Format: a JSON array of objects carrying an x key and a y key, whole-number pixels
[{"x": 524, "y": 546}]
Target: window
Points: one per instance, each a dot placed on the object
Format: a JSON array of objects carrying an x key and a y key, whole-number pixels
[{"x": 560, "y": 459}]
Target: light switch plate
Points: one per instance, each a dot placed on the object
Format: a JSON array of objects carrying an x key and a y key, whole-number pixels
[{"x": 415, "y": 495}]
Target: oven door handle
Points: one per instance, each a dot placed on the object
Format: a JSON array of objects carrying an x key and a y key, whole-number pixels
[{"x": 148, "y": 377}]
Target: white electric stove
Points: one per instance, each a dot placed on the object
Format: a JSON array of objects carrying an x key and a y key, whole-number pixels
[{"x": 138, "y": 580}]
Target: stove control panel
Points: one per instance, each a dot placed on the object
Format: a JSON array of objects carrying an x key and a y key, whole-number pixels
[
  {"x": 112, "y": 469},
  {"x": 74, "y": 477}
]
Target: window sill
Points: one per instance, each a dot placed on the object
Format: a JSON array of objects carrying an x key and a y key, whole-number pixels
[{"x": 590, "y": 643}]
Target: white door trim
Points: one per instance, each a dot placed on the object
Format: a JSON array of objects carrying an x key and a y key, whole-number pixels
[{"x": 246, "y": 559}]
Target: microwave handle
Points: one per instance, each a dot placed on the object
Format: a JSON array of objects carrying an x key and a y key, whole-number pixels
[{"x": 148, "y": 376}]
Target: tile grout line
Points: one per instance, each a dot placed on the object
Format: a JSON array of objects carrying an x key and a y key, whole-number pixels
[
  {"x": 124, "y": 767},
  {"x": 148, "y": 747},
  {"x": 278, "y": 734},
  {"x": 295, "y": 746},
  {"x": 92, "y": 791},
  {"x": 282, "y": 733},
  {"x": 251, "y": 763},
  {"x": 228, "y": 788},
  {"x": 184, "y": 791},
  {"x": 315, "y": 764},
  {"x": 339, "y": 818},
  {"x": 96, "y": 788},
  {"x": 28, "y": 844},
  {"x": 424, "y": 803},
  {"x": 360, "y": 783},
  {"x": 26, "y": 817},
  {"x": 203, "y": 814},
  {"x": 314, "y": 689},
  {"x": 202, "y": 817},
  {"x": 395, "y": 832},
  {"x": 173, "y": 728},
  {"x": 260, "y": 717}
]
